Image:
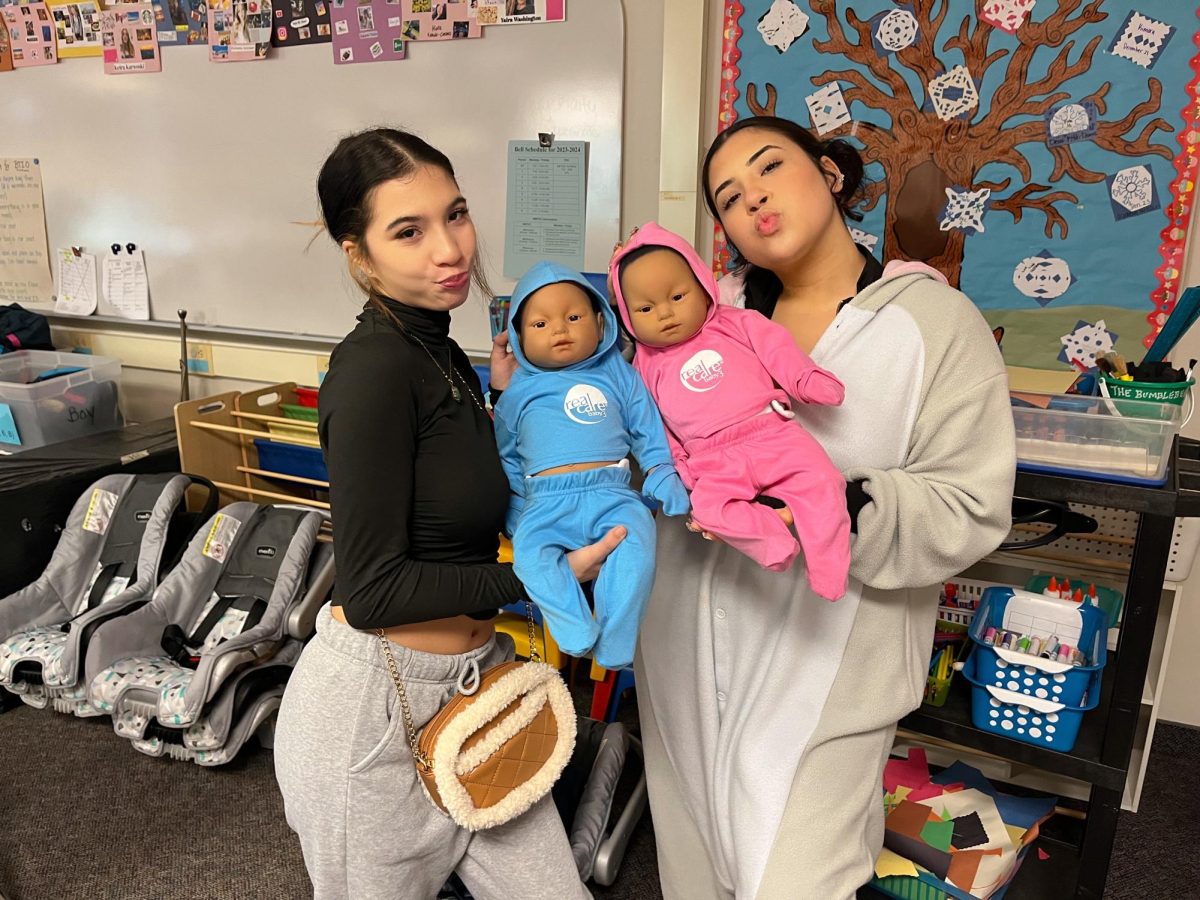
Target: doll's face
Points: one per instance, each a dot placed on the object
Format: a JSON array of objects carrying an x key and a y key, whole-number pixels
[
  {"x": 666, "y": 304},
  {"x": 559, "y": 327}
]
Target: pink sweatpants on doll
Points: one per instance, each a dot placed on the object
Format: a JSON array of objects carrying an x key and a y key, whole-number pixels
[{"x": 769, "y": 454}]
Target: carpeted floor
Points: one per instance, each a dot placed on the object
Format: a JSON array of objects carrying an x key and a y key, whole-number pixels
[{"x": 85, "y": 816}]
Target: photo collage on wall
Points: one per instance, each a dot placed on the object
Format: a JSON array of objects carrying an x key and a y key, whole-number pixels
[
  {"x": 129, "y": 39},
  {"x": 77, "y": 27},
  {"x": 297, "y": 22},
  {"x": 239, "y": 30},
  {"x": 367, "y": 31}
]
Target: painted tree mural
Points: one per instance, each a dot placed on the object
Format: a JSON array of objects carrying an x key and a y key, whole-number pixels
[{"x": 940, "y": 136}]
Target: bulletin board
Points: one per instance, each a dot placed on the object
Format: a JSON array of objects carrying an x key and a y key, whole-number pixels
[
  {"x": 211, "y": 170},
  {"x": 1040, "y": 154}
]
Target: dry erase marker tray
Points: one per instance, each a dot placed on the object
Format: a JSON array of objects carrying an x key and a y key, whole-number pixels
[{"x": 1104, "y": 439}]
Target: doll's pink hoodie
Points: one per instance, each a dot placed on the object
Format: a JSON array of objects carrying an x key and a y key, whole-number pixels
[{"x": 727, "y": 372}]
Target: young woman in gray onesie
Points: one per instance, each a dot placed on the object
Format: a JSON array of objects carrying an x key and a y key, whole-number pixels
[{"x": 768, "y": 712}]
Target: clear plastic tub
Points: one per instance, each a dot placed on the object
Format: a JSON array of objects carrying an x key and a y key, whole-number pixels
[
  {"x": 1095, "y": 437},
  {"x": 35, "y": 413}
]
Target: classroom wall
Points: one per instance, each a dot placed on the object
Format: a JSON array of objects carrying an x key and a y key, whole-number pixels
[{"x": 151, "y": 393}]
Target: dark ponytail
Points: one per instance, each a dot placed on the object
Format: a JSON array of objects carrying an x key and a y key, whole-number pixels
[{"x": 762, "y": 286}]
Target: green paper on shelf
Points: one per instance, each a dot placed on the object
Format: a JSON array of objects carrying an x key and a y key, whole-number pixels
[
  {"x": 8, "y": 426},
  {"x": 938, "y": 834}
]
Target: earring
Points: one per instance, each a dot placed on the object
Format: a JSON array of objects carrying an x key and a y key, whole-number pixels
[{"x": 837, "y": 185}]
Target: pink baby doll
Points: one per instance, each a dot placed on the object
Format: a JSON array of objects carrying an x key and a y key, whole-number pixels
[{"x": 716, "y": 373}]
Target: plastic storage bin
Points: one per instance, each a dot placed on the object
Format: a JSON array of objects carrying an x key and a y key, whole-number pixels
[
  {"x": 1107, "y": 599},
  {"x": 1028, "y": 698},
  {"x": 1095, "y": 437},
  {"x": 35, "y": 413},
  {"x": 289, "y": 459},
  {"x": 306, "y": 396}
]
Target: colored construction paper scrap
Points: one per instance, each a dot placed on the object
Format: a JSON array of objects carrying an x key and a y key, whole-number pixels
[
  {"x": 919, "y": 852},
  {"x": 908, "y": 819},
  {"x": 968, "y": 832},
  {"x": 889, "y": 863},
  {"x": 1042, "y": 854},
  {"x": 939, "y": 834},
  {"x": 911, "y": 774},
  {"x": 1023, "y": 811}
]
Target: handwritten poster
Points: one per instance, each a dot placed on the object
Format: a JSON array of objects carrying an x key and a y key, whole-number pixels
[
  {"x": 31, "y": 34},
  {"x": 520, "y": 12},
  {"x": 544, "y": 215},
  {"x": 77, "y": 27},
  {"x": 297, "y": 22},
  {"x": 429, "y": 20},
  {"x": 130, "y": 39},
  {"x": 24, "y": 252},
  {"x": 239, "y": 30},
  {"x": 368, "y": 31}
]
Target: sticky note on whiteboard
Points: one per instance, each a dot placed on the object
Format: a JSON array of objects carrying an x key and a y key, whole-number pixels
[{"x": 8, "y": 426}]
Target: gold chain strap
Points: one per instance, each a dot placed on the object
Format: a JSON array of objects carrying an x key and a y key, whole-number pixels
[{"x": 394, "y": 671}]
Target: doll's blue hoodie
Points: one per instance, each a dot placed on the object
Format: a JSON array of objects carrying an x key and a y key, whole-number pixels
[{"x": 594, "y": 410}]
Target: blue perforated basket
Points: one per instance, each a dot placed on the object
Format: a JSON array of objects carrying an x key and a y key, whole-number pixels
[{"x": 1027, "y": 698}]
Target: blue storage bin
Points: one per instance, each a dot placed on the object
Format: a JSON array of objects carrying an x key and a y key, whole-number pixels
[
  {"x": 1026, "y": 718},
  {"x": 291, "y": 459},
  {"x": 1024, "y": 697}
]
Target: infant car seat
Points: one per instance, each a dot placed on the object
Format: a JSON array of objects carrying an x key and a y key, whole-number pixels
[
  {"x": 201, "y": 667},
  {"x": 122, "y": 535}
]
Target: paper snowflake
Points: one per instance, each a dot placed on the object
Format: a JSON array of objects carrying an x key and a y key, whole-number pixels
[
  {"x": 1007, "y": 15},
  {"x": 828, "y": 108},
  {"x": 782, "y": 24},
  {"x": 1141, "y": 39},
  {"x": 1043, "y": 277},
  {"x": 866, "y": 240},
  {"x": 1133, "y": 188},
  {"x": 953, "y": 94},
  {"x": 896, "y": 30},
  {"x": 1071, "y": 122},
  {"x": 965, "y": 209},
  {"x": 1085, "y": 342}
]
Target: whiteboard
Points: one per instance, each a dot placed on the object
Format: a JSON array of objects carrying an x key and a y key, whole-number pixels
[{"x": 205, "y": 167}]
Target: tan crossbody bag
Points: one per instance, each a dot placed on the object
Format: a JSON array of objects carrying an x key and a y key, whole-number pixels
[{"x": 488, "y": 756}]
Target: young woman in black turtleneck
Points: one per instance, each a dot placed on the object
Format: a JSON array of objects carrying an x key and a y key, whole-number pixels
[{"x": 418, "y": 500}]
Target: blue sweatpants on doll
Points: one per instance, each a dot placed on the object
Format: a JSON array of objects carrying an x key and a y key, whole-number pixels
[{"x": 571, "y": 510}]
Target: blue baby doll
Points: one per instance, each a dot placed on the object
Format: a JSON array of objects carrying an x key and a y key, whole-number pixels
[{"x": 572, "y": 414}]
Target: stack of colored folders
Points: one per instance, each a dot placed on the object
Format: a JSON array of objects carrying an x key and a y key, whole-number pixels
[{"x": 952, "y": 835}]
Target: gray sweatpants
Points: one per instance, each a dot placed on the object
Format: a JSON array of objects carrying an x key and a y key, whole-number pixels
[{"x": 351, "y": 792}]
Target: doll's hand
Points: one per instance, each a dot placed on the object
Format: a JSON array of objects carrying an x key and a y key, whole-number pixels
[
  {"x": 503, "y": 362},
  {"x": 819, "y": 386},
  {"x": 664, "y": 485},
  {"x": 585, "y": 562}
]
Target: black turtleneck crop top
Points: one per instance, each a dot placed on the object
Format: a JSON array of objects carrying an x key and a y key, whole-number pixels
[{"x": 417, "y": 492}]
